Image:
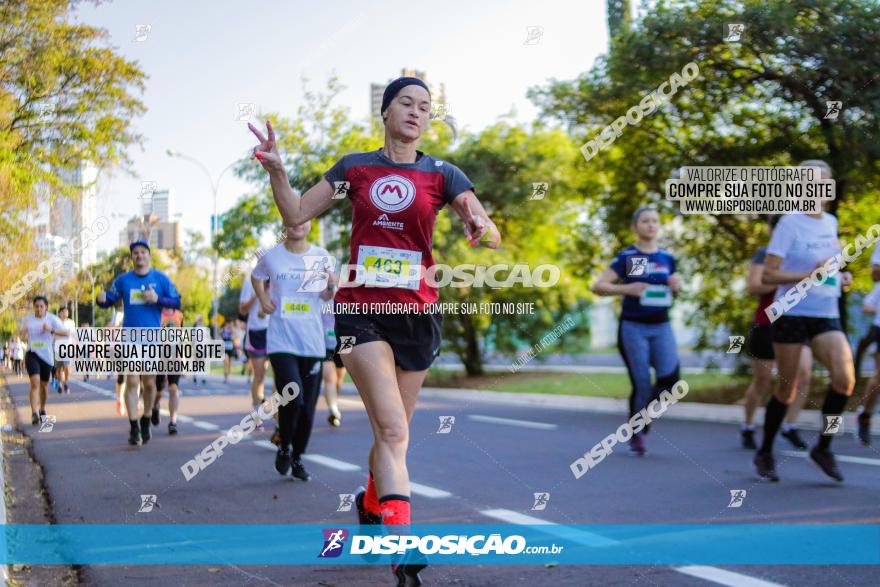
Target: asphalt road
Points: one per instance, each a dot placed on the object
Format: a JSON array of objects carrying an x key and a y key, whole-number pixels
[{"x": 485, "y": 470}]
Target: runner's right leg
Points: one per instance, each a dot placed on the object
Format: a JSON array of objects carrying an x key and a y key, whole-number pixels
[
  {"x": 132, "y": 399},
  {"x": 120, "y": 394},
  {"x": 258, "y": 366},
  {"x": 635, "y": 350},
  {"x": 790, "y": 430},
  {"x": 758, "y": 389},
  {"x": 788, "y": 357}
]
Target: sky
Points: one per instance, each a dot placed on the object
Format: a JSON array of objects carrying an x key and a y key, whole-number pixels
[{"x": 203, "y": 58}]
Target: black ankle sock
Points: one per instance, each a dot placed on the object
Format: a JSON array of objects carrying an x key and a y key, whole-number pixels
[
  {"x": 773, "y": 417},
  {"x": 134, "y": 424},
  {"x": 833, "y": 406}
]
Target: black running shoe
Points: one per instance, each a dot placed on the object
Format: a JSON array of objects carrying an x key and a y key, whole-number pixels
[
  {"x": 766, "y": 466},
  {"x": 407, "y": 574},
  {"x": 863, "y": 433},
  {"x": 365, "y": 518},
  {"x": 794, "y": 438},
  {"x": 748, "y": 439},
  {"x": 35, "y": 418},
  {"x": 826, "y": 462},
  {"x": 172, "y": 428},
  {"x": 637, "y": 445},
  {"x": 282, "y": 461},
  {"x": 154, "y": 417},
  {"x": 298, "y": 471},
  {"x": 145, "y": 430},
  {"x": 334, "y": 420},
  {"x": 134, "y": 437}
]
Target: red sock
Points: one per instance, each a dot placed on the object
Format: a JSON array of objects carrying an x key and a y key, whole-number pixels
[
  {"x": 394, "y": 510},
  {"x": 371, "y": 498}
]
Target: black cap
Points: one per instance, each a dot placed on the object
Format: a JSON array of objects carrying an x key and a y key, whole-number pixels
[{"x": 394, "y": 88}]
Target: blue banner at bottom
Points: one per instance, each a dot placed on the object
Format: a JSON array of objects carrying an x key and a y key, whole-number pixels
[{"x": 298, "y": 544}]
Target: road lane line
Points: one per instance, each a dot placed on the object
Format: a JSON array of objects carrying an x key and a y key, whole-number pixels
[
  {"x": 427, "y": 491},
  {"x": 512, "y": 422},
  {"x": 331, "y": 462},
  {"x": 95, "y": 388},
  {"x": 205, "y": 425},
  {"x": 722, "y": 577},
  {"x": 837, "y": 457},
  {"x": 552, "y": 528},
  {"x": 266, "y": 444}
]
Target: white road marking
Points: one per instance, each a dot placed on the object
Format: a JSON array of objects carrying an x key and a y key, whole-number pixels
[
  {"x": 182, "y": 418},
  {"x": 841, "y": 458},
  {"x": 722, "y": 577},
  {"x": 95, "y": 388},
  {"x": 266, "y": 444},
  {"x": 579, "y": 536},
  {"x": 331, "y": 462},
  {"x": 427, "y": 491},
  {"x": 205, "y": 425},
  {"x": 512, "y": 422}
]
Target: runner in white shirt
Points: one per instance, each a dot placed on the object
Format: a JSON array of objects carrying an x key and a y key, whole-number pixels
[
  {"x": 800, "y": 244},
  {"x": 300, "y": 276},
  {"x": 255, "y": 341},
  {"x": 872, "y": 387},
  {"x": 62, "y": 368},
  {"x": 40, "y": 329}
]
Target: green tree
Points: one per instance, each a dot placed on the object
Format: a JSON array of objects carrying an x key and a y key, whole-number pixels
[
  {"x": 758, "y": 102},
  {"x": 65, "y": 97}
]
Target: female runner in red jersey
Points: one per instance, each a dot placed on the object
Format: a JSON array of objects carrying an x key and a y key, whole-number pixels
[{"x": 396, "y": 193}]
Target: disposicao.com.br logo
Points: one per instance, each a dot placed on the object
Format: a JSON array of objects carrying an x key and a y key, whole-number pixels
[{"x": 433, "y": 544}]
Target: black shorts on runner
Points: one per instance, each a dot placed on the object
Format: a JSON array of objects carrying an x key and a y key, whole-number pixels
[
  {"x": 332, "y": 355},
  {"x": 37, "y": 366},
  {"x": 800, "y": 329},
  {"x": 761, "y": 342},
  {"x": 120, "y": 379},
  {"x": 257, "y": 341},
  {"x": 414, "y": 338},
  {"x": 163, "y": 380}
]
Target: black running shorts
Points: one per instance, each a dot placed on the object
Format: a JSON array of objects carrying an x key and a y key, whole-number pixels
[
  {"x": 800, "y": 329},
  {"x": 414, "y": 338},
  {"x": 37, "y": 366},
  {"x": 761, "y": 342}
]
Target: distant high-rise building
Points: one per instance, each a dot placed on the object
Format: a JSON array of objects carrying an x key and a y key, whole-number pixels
[
  {"x": 438, "y": 91},
  {"x": 161, "y": 234},
  {"x": 160, "y": 203},
  {"x": 70, "y": 214}
]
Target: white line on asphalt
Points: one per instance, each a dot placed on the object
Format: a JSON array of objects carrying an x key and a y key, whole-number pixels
[
  {"x": 579, "y": 536},
  {"x": 723, "y": 577},
  {"x": 331, "y": 462},
  {"x": 95, "y": 388},
  {"x": 841, "y": 458},
  {"x": 205, "y": 425},
  {"x": 512, "y": 422},
  {"x": 265, "y": 444},
  {"x": 185, "y": 419},
  {"x": 427, "y": 491}
]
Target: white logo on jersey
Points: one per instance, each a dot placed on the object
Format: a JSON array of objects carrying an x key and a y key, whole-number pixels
[
  {"x": 392, "y": 193},
  {"x": 384, "y": 222}
]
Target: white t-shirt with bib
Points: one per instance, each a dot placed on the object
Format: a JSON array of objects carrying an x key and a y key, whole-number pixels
[
  {"x": 802, "y": 242},
  {"x": 42, "y": 343},
  {"x": 296, "y": 326}
]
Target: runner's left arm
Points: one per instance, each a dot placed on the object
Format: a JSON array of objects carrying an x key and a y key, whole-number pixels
[
  {"x": 170, "y": 298},
  {"x": 478, "y": 227}
]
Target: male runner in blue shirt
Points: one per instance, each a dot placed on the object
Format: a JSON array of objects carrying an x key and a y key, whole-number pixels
[{"x": 144, "y": 292}]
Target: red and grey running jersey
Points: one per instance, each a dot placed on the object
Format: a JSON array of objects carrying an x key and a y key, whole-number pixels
[{"x": 394, "y": 206}]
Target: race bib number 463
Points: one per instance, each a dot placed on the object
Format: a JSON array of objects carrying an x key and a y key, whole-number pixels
[{"x": 387, "y": 267}]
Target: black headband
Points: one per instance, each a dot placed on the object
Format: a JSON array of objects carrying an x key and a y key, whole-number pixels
[{"x": 394, "y": 87}]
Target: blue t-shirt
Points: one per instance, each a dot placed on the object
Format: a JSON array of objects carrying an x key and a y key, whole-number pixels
[
  {"x": 129, "y": 287},
  {"x": 633, "y": 265}
]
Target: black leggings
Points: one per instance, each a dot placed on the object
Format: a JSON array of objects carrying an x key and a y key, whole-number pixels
[{"x": 295, "y": 419}]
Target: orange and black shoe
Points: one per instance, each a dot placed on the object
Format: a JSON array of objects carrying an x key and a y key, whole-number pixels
[{"x": 365, "y": 518}]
